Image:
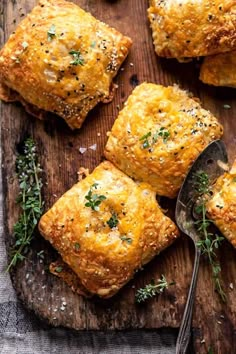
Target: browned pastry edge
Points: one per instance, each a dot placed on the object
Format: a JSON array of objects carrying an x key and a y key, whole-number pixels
[{"x": 8, "y": 95}]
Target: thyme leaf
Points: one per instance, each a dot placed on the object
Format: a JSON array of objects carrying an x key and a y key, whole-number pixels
[
  {"x": 51, "y": 33},
  {"x": 77, "y": 246},
  {"x": 59, "y": 269},
  {"x": 77, "y": 57},
  {"x": 113, "y": 221},
  {"x": 145, "y": 140},
  {"x": 127, "y": 239}
]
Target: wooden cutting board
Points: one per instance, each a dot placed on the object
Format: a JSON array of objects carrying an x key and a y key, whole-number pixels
[{"x": 213, "y": 323}]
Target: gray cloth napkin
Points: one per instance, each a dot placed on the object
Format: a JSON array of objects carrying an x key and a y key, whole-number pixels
[{"x": 22, "y": 333}]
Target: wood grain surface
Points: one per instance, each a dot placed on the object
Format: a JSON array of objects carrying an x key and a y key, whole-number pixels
[{"x": 214, "y": 323}]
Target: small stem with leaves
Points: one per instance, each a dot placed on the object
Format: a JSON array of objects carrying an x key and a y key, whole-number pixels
[
  {"x": 152, "y": 289},
  {"x": 209, "y": 242}
]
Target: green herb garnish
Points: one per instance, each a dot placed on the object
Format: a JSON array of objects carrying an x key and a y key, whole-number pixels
[
  {"x": 144, "y": 138},
  {"x": 151, "y": 289},
  {"x": 127, "y": 239},
  {"x": 226, "y": 106},
  {"x": 51, "y": 32},
  {"x": 77, "y": 246},
  {"x": 40, "y": 254},
  {"x": 148, "y": 141},
  {"x": 209, "y": 242},
  {"x": 164, "y": 133},
  {"x": 77, "y": 57},
  {"x": 94, "y": 200},
  {"x": 113, "y": 221},
  {"x": 30, "y": 200},
  {"x": 59, "y": 269}
]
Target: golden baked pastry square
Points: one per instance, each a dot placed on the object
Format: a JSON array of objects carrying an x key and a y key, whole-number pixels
[
  {"x": 61, "y": 59},
  {"x": 183, "y": 29},
  {"x": 221, "y": 208},
  {"x": 106, "y": 227},
  {"x": 158, "y": 135},
  {"x": 219, "y": 69}
]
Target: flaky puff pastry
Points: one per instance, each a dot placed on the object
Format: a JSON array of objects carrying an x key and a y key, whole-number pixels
[
  {"x": 221, "y": 208},
  {"x": 158, "y": 135},
  {"x": 219, "y": 70},
  {"x": 105, "y": 254},
  {"x": 61, "y": 59},
  {"x": 192, "y": 28}
]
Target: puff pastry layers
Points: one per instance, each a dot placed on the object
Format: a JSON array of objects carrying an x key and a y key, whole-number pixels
[
  {"x": 61, "y": 59},
  {"x": 191, "y": 28},
  {"x": 158, "y": 135},
  {"x": 105, "y": 257},
  {"x": 221, "y": 208},
  {"x": 219, "y": 70}
]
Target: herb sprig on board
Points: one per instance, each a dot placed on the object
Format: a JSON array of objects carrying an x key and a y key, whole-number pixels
[
  {"x": 209, "y": 241},
  {"x": 29, "y": 199},
  {"x": 152, "y": 289}
]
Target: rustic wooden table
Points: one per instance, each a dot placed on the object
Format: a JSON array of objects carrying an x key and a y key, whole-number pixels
[{"x": 213, "y": 323}]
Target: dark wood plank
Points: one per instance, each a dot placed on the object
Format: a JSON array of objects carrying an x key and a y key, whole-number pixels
[{"x": 214, "y": 323}]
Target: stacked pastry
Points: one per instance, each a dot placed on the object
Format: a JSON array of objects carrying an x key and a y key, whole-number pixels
[{"x": 187, "y": 29}]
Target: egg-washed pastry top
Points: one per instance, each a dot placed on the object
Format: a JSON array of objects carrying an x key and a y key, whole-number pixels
[
  {"x": 106, "y": 227},
  {"x": 221, "y": 208},
  {"x": 219, "y": 69},
  {"x": 61, "y": 59},
  {"x": 192, "y": 28},
  {"x": 158, "y": 135}
]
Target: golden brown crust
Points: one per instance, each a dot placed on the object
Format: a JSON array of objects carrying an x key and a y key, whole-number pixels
[
  {"x": 219, "y": 70},
  {"x": 154, "y": 109},
  {"x": 192, "y": 28},
  {"x": 43, "y": 70},
  {"x": 106, "y": 258},
  {"x": 221, "y": 208}
]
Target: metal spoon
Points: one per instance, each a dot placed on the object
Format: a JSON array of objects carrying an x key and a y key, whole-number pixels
[{"x": 209, "y": 162}]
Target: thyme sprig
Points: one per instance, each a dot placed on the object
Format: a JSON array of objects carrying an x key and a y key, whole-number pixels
[
  {"x": 148, "y": 139},
  {"x": 209, "y": 241},
  {"x": 94, "y": 200},
  {"x": 152, "y": 289},
  {"x": 30, "y": 200}
]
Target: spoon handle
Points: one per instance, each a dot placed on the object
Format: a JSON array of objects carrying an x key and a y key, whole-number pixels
[{"x": 185, "y": 328}]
